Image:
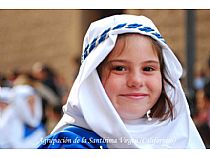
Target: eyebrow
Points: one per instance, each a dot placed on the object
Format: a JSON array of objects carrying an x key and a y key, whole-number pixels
[{"x": 125, "y": 61}]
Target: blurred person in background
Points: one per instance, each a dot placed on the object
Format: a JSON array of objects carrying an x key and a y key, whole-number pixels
[
  {"x": 5, "y": 113},
  {"x": 4, "y": 82},
  {"x": 49, "y": 98},
  {"x": 55, "y": 82},
  {"x": 202, "y": 102},
  {"x": 200, "y": 80},
  {"x": 21, "y": 126},
  {"x": 46, "y": 75},
  {"x": 53, "y": 114},
  {"x": 49, "y": 77},
  {"x": 207, "y": 106},
  {"x": 202, "y": 118}
]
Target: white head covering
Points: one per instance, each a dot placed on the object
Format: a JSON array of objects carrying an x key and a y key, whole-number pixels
[
  {"x": 5, "y": 95},
  {"x": 5, "y": 114},
  {"x": 21, "y": 94},
  {"x": 88, "y": 105}
]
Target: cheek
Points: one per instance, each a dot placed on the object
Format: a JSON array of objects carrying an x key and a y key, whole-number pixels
[
  {"x": 155, "y": 84},
  {"x": 112, "y": 85}
]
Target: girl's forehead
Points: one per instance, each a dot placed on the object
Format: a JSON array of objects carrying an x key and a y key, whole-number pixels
[
  {"x": 126, "y": 42},
  {"x": 131, "y": 38}
]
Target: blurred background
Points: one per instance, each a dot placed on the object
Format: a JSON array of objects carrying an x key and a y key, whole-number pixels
[{"x": 42, "y": 49}]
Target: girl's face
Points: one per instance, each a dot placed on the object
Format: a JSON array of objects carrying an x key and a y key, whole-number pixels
[{"x": 131, "y": 76}]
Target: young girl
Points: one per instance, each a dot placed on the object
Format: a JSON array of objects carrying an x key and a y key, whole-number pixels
[{"x": 127, "y": 93}]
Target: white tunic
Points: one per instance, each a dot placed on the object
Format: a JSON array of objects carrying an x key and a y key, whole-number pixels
[{"x": 16, "y": 116}]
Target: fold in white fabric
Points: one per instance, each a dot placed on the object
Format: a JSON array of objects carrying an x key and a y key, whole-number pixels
[{"x": 88, "y": 105}]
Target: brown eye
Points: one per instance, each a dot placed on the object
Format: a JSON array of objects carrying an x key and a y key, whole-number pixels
[
  {"x": 148, "y": 69},
  {"x": 119, "y": 68}
]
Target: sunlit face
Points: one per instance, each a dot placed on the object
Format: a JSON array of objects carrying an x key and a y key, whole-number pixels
[{"x": 131, "y": 76}]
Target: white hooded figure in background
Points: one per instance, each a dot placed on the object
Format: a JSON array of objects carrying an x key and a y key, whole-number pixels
[
  {"x": 21, "y": 126},
  {"x": 128, "y": 89},
  {"x": 5, "y": 113}
]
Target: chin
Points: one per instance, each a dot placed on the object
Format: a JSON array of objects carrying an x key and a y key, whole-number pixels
[{"x": 131, "y": 116}]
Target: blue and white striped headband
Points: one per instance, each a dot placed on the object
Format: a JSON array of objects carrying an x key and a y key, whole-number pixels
[{"x": 136, "y": 26}]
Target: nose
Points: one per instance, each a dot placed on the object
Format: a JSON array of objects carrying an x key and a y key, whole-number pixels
[{"x": 135, "y": 79}]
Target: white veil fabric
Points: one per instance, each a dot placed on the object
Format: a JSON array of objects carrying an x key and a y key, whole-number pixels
[
  {"x": 88, "y": 105},
  {"x": 21, "y": 105},
  {"x": 17, "y": 114}
]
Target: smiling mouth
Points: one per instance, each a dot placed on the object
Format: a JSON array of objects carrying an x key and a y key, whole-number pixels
[{"x": 134, "y": 95}]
